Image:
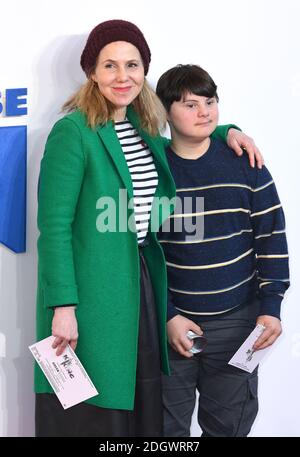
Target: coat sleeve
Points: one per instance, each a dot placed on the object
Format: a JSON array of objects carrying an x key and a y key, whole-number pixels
[
  {"x": 61, "y": 175},
  {"x": 221, "y": 132}
]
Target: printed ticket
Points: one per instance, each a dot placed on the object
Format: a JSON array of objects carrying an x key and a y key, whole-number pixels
[
  {"x": 246, "y": 358},
  {"x": 65, "y": 373}
]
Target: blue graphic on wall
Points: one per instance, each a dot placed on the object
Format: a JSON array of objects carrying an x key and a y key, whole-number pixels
[
  {"x": 13, "y": 148},
  {"x": 15, "y": 101}
]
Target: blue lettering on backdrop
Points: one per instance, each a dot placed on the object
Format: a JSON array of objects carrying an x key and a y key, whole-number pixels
[
  {"x": 13, "y": 102},
  {"x": 13, "y": 152},
  {"x": 13, "y": 187}
]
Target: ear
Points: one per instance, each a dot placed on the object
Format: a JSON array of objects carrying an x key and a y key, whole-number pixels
[{"x": 168, "y": 113}]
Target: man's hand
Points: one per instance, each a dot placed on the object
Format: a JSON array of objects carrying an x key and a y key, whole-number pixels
[
  {"x": 177, "y": 329},
  {"x": 270, "y": 334},
  {"x": 239, "y": 142},
  {"x": 64, "y": 328}
]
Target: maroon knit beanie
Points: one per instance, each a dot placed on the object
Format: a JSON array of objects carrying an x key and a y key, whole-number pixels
[{"x": 107, "y": 32}]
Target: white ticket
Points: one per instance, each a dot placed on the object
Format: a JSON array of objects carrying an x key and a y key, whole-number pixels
[
  {"x": 65, "y": 373},
  {"x": 246, "y": 358}
]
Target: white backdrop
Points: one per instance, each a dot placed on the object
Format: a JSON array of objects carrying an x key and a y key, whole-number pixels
[{"x": 251, "y": 49}]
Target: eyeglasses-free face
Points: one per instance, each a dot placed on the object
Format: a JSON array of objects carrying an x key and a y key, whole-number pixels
[{"x": 120, "y": 75}]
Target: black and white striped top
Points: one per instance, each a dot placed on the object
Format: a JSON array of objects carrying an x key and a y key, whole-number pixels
[{"x": 143, "y": 174}]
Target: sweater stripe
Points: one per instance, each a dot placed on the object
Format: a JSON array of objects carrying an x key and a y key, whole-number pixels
[
  {"x": 209, "y": 292},
  {"x": 208, "y": 213},
  {"x": 262, "y": 284},
  {"x": 212, "y": 265},
  {"x": 204, "y": 314},
  {"x": 143, "y": 175},
  {"x": 265, "y": 211},
  {"x": 206, "y": 240},
  {"x": 273, "y": 256},
  {"x": 265, "y": 235},
  {"x": 222, "y": 254},
  {"x": 225, "y": 185}
]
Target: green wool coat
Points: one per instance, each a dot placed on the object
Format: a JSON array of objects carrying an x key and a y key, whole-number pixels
[{"x": 97, "y": 271}]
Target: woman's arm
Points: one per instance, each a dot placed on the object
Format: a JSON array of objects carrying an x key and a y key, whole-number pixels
[
  {"x": 61, "y": 174},
  {"x": 236, "y": 140},
  {"x": 239, "y": 142}
]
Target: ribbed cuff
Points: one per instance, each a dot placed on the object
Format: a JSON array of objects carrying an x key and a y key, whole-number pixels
[
  {"x": 171, "y": 310},
  {"x": 270, "y": 305}
]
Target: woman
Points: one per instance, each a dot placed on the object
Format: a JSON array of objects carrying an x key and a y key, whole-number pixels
[{"x": 109, "y": 282}]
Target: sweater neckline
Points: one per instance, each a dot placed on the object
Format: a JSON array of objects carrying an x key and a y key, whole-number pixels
[{"x": 192, "y": 163}]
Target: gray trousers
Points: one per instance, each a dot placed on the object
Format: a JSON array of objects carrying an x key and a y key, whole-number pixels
[{"x": 228, "y": 401}]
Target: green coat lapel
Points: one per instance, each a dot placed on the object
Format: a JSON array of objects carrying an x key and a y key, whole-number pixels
[
  {"x": 111, "y": 142},
  {"x": 162, "y": 207},
  {"x": 156, "y": 145},
  {"x": 166, "y": 186}
]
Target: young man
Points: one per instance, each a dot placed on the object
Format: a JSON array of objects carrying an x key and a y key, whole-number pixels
[{"x": 222, "y": 283}]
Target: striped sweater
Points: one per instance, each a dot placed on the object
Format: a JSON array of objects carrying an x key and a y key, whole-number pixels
[
  {"x": 143, "y": 174},
  {"x": 242, "y": 251}
]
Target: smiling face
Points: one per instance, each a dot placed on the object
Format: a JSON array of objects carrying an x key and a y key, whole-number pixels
[
  {"x": 194, "y": 117},
  {"x": 120, "y": 75}
]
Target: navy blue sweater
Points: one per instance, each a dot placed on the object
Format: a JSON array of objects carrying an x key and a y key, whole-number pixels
[{"x": 242, "y": 251}]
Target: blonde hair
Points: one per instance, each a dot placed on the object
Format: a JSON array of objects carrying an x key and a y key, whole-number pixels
[{"x": 99, "y": 110}]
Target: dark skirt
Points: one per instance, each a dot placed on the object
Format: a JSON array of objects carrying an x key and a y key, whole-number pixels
[{"x": 89, "y": 420}]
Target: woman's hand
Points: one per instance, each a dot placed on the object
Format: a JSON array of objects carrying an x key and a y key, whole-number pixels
[
  {"x": 64, "y": 328},
  {"x": 177, "y": 328},
  {"x": 240, "y": 142}
]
